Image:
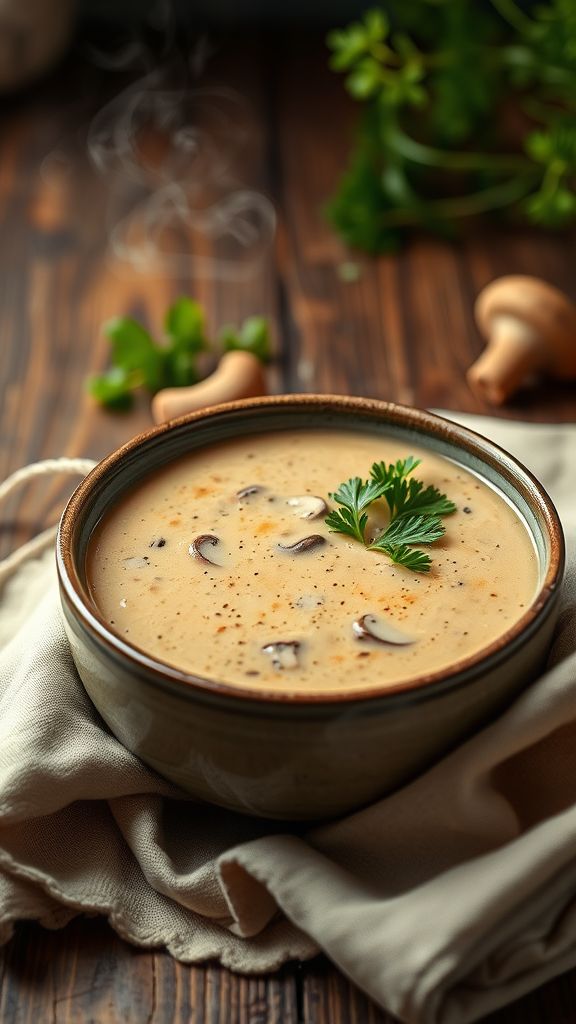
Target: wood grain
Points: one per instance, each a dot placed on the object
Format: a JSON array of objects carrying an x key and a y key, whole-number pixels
[
  {"x": 403, "y": 330},
  {"x": 61, "y": 279},
  {"x": 85, "y": 973},
  {"x": 329, "y": 998}
]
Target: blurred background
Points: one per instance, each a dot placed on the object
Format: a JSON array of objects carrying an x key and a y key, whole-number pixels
[{"x": 352, "y": 174}]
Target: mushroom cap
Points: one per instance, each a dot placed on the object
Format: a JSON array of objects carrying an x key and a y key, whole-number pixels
[{"x": 539, "y": 305}]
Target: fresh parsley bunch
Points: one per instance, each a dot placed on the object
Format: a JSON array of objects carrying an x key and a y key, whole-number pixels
[
  {"x": 138, "y": 361},
  {"x": 415, "y": 512},
  {"x": 429, "y": 151}
]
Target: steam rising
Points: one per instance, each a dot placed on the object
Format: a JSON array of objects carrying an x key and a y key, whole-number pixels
[{"x": 171, "y": 159}]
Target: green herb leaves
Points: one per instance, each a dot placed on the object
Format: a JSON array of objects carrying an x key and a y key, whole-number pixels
[
  {"x": 410, "y": 558},
  {"x": 138, "y": 361},
  {"x": 376, "y": 64},
  {"x": 408, "y": 496},
  {"x": 462, "y": 64},
  {"x": 253, "y": 336},
  {"x": 415, "y": 512},
  {"x": 353, "y": 497}
]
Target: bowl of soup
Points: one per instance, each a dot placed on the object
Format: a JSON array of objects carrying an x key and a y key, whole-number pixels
[{"x": 264, "y": 660}]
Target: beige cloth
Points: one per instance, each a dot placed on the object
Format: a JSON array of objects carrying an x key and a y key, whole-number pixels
[{"x": 443, "y": 901}]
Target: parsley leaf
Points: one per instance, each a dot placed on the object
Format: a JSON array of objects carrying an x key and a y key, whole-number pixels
[
  {"x": 425, "y": 500},
  {"x": 186, "y": 337},
  {"x": 407, "y": 497},
  {"x": 354, "y": 496},
  {"x": 114, "y": 388},
  {"x": 253, "y": 336},
  {"x": 344, "y": 520},
  {"x": 134, "y": 351},
  {"x": 394, "y": 470},
  {"x": 185, "y": 328},
  {"x": 422, "y": 529},
  {"x": 410, "y": 558}
]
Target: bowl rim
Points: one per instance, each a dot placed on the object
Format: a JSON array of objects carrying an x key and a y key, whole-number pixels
[{"x": 421, "y": 686}]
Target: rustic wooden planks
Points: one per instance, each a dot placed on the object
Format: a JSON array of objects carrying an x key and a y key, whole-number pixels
[
  {"x": 85, "y": 973},
  {"x": 60, "y": 279},
  {"x": 330, "y": 999},
  {"x": 403, "y": 330}
]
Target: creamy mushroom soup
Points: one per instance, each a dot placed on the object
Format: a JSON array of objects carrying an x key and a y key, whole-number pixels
[{"x": 221, "y": 565}]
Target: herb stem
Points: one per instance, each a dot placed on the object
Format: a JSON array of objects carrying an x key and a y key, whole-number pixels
[
  {"x": 420, "y": 153},
  {"x": 513, "y": 15},
  {"x": 492, "y": 198}
]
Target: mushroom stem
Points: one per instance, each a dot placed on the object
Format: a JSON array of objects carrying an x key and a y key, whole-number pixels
[
  {"x": 238, "y": 375},
  {"x": 514, "y": 352}
]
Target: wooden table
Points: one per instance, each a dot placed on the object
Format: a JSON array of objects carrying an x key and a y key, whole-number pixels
[{"x": 402, "y": 330}]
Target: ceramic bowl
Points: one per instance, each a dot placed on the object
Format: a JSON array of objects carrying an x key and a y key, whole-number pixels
[{"x": 307, "y": 756}]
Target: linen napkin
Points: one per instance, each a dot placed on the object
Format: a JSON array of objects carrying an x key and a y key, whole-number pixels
[{"x": 443, "y": 901}]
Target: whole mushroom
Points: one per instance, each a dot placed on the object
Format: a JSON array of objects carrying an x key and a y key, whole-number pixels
[{"x": 530, "y": 327}]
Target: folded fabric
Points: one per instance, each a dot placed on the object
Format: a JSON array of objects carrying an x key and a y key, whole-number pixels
[{"x": 443, "y": 901}]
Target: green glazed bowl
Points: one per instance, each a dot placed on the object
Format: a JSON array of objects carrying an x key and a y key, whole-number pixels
[{"x": 310, "y": 756}]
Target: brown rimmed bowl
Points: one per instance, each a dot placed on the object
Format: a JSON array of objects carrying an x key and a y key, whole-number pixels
[{"x": 273, "y": 754}]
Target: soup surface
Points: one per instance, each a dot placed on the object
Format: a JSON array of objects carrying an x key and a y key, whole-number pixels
[{"x": 191, "y": 566}]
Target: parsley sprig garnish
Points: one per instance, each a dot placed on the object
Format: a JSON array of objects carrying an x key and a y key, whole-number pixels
[{"x": 415, "y": 512}]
